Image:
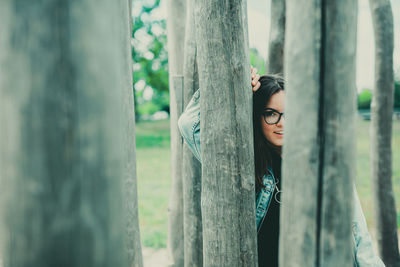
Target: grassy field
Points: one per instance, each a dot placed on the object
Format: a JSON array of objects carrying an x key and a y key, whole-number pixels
[{"x": 153, "y": 167}]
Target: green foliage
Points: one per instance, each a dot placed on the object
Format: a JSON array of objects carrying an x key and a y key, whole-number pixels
[
  {"x": 150, "y": 59},
  {"x": 364, "y": 99},
  {"x": 257, "y": 61}
]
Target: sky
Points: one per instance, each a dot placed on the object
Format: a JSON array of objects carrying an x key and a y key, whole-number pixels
[{"x": 258, "y": 21}]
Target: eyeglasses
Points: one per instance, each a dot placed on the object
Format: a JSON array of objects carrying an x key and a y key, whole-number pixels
[{"x": 272, "y": 116}]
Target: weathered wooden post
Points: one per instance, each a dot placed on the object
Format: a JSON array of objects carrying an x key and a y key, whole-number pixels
[
  {"x": 191, "y": 173},
  {"x": 381, "y": 134},
  {"x": 319, "y": 163},
  {"x": 176, "y": 38},
  {"x": 227, "y": 201},
  {"x": 276, "y": 37},
  {"x": 63, "y": 143},
  {"x": 131, "y": 216}
]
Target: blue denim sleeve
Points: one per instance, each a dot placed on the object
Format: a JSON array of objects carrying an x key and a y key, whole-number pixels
[
  {"x": 189, "y": 125},
  {"x": 363, "y": 250}
]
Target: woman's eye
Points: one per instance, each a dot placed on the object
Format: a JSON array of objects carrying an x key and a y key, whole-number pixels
[{"x": 269, "y": 114}]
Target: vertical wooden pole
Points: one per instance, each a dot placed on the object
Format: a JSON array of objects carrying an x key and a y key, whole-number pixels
[
  {"x": 191, "y": 166},
  {"x": 131, "y": 216},
  {"x": 227, "y": 201},
  {"x": 318, "y": 163},
  {"x": 381, "y": 134},
  {"x": 176, "y": 35},
  {"x": 276, "y": 37},
  {"x": 62, "y": 144}
]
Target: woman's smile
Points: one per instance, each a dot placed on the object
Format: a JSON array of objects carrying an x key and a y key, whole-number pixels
[{"x": 274, "y": 132}]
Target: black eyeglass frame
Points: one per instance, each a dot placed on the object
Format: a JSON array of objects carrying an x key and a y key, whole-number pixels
[{"x": 273, "y": 110}]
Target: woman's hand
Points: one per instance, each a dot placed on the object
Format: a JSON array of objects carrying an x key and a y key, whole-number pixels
[{"x": 254, "y": 79}]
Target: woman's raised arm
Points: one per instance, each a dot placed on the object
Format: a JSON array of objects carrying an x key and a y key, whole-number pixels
[{"x": 189, "y": 121}]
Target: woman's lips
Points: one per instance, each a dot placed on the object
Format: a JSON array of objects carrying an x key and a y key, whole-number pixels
[{"x": 279, "y": 134}]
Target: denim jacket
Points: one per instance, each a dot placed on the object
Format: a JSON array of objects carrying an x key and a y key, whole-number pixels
[{"x": 364, "y": 256}]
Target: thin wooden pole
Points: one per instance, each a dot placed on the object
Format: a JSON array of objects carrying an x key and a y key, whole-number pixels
[
  {"x": 276, "y": 37},
  {"x": 176, "y": 12},
  {"x": 191, "y": 166},
  {"x": 381, "y": 134}
]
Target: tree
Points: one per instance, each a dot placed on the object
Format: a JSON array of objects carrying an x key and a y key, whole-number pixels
[
  {"x": 276, "y": 37},
  {"x": 228, "y": 210},
  {"x": 193, "y": 236},
  {"x": 62, "y": 150},
  {"x": 381, "y": 133},
  {"x": 176, "y": 11},
  {"x": 318, "y": 164}
]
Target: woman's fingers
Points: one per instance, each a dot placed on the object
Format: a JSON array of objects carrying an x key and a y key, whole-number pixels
[
  {"x": 254, "y": 79},
  {"x": 256, "y": 87},
  {"x": 255, "y": 83},
  {"x": 254, "y": 76},
  {"x": 253, "y": 72}
]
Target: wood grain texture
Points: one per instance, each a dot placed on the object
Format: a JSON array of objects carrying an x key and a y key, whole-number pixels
[
  {"x": 62, "y": 133},
  {"x": 227, "y": 201},
  {"x": 176, "y": 12},
  {"x": 276, "y": 37},
  {"x": 130, "y": 198},
  {"x": 381, "y": 134},
  {"x": 318, "y": 165},
  {"x": 191, "y": 175}
]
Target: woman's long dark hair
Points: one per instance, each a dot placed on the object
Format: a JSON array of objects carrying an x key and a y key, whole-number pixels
[{"x": 270, "y": 84}]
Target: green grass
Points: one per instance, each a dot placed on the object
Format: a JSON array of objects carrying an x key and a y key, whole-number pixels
[
  {"x": 154, "y": 175},
  {"x": 152, "y": 134}
]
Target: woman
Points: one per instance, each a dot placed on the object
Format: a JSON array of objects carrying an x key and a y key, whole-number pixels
[{"x": 268, "y": 123}]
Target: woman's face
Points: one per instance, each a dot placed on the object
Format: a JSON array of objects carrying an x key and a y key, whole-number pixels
[{"x": 274, "y": 132}]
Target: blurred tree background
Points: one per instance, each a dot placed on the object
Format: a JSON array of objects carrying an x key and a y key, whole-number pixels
[
  {"x": 150, "y": 68},
  {"x": 150, "y": 81},
  {"x": 364, "y": 97},
  {"x": 150, "y": 61}
]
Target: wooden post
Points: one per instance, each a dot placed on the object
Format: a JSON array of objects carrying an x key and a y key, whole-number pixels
[
  {"x": 176, "y": 35},
  {"x": 227, "y": 201},
  {"x": 381, "y": 134},
  {"x": 63, "y": 133},
  {"x": 191, "y": 166},
  {"x": 276, "y": 37},
  {"x": 131, "y": 216},
  {"x": 318, "y": 156}
]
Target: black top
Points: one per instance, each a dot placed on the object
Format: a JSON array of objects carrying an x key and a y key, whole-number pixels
[{"x": 268, "y": 236}]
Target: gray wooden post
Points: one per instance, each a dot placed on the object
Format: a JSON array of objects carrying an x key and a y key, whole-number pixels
[
  {"x": 227, "y": 201},
  {"x": 191, "y": 166},
  {"x": 176, "y": 10},
  {"x": 381, "y": 134},
  {"x": 131, "y": 216},
  {"x": 62, "y": 144},
  {"x": 318, "y": 156},
  {"x": 276, "y": 37}
]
